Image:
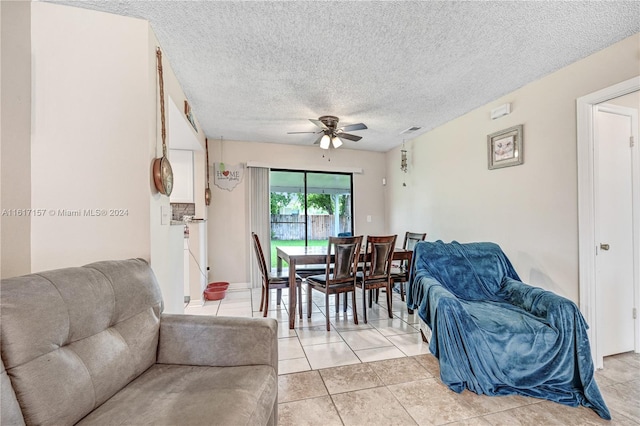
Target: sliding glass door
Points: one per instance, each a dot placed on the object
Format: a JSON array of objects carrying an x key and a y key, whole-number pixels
[{"x": 309, "y": 207}]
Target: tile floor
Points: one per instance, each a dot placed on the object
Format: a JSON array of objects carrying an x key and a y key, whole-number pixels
[{"x": 382, "y": 373}]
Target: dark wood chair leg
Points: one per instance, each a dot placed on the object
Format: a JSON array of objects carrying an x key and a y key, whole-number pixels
[
  {"x": 262, "y": 297},
  {"x": 355, "y": 310},
  {"x": 402, "y": 291},
  {"x": 337, "y": 302},
  {"x": 364, "y": 303},
  {"x": 279, "y": 298},
  {"x": 300, "y": 299},
  {"x": 326, "y": 307},
  {"x": 266, "y": 302},
  {"x": 389, "y": 296},
  {"x": 370, "y": 298},
  {"x": 309, "y": 300}
]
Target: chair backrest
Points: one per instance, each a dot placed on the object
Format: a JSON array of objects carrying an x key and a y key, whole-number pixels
[
  {"x": 260, "y": 256},
  {"x": 346, "y": 252},
  {"x": 411, "y": 239},
  {"x": 379, "y": 252}
]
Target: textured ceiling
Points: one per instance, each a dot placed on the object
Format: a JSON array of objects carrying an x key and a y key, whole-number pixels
[{"x": 254, "y": 71}]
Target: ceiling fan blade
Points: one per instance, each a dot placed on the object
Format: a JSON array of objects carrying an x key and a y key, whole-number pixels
[
  {"x": 349, "y": 136},
  {"x": 353, "y": 127},
  {"x": 295, "y": 133},
  {"x": 319, "y": 123},
  {"x": 317, "y": 142}
]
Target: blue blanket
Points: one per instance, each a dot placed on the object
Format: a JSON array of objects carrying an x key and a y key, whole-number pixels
[{"x": 495, "y": 335}]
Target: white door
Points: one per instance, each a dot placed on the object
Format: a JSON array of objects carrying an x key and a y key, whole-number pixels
[{"x": 614, "y": 228}]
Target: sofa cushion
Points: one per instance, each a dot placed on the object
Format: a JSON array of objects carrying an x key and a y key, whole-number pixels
[
  {"x": 10, "y": 413},
  {"x": 71, "y": 338},
  {"x": 182, "y": 395}
]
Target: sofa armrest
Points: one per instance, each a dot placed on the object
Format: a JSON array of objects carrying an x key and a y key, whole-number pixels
[
  {"x": 539, "y": 302},
  {"x": 218, "y": 341},
  {"x": 427, "y": 296}
]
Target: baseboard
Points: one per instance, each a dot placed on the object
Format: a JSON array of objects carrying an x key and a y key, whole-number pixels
[
  {"x": 425, "y": 331},
  {"x": 239, "y": 286},
  {"x": 197, "y": 302}
]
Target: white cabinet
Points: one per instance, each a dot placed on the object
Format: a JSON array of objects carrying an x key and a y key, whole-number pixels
[
  {"x": 169, "y": 267},
  {"x": 196, "y": 264},
  {"x": 182, "y": 166}
]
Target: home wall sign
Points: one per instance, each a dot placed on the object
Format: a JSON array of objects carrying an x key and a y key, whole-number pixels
[{"x": 227, "y": 176}]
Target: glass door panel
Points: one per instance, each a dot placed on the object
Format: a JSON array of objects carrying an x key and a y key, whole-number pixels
[
  {"x": 309, "y": 207},
  {"x": 329, "y": 206}
]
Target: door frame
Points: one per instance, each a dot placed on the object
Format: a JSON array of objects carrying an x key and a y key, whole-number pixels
[{"x": 587, "y": 244}]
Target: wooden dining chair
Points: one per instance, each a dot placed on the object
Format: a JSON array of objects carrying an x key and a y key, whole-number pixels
[
  {"x": 339, "y": 277},
  {"x": 400, "y": 273},
  {"x": 272, "y": 279},
  {"x": 377, "y": 269},
  {"x": 306, "y": 270}
]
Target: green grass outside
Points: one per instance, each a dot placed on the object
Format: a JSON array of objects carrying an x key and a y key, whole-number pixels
[{"x": 291, "y": 243}]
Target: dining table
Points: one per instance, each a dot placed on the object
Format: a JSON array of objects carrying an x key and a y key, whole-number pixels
[{"x": 314, "y": 255}]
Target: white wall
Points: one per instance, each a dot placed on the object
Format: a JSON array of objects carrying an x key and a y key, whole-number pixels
[
  {"x": 94, "y": 132},
  {"x": 15, "y": 177},
  {"x": 90, "y": 136},
  {"x": 530, "y": 210},
  {"x": 167, "y": 242},
  {"x": 228, "y": 214}
]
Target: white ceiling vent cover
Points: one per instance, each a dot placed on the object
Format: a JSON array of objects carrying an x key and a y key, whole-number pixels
[
  {"x": 410, "y": 130},
  {"x": 501, "y": 111}
]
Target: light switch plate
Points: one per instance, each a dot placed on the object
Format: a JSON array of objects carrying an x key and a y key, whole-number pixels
[{"x": 165, "y": 215}]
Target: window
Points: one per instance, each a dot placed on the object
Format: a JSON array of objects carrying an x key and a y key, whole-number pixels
[{"x": 309, "y": 207}]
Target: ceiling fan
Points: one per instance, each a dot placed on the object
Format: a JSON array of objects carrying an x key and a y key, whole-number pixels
[{"x": 331, "y": 133}]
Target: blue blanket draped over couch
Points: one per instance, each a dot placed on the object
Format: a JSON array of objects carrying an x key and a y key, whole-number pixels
[{"x": 495, "y": 335}]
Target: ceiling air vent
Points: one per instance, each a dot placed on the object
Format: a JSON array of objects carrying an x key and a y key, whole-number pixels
[{"x": 410, "y": 130}]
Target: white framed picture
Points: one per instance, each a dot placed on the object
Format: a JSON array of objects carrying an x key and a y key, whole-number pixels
[{"x": 504, "y": 148}]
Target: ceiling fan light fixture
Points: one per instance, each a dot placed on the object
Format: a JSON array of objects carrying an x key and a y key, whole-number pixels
[
  {"x": 330, "y": 134},
  {"x": 324, "y": 142}
]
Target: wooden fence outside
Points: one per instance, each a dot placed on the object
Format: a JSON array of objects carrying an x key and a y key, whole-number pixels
[{"x": 291, "y": 227}]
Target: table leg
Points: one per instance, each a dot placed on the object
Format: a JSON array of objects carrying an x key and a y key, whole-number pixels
[
  {"x": 292, "y": 293},
  {"x": 279, "y": 264}
]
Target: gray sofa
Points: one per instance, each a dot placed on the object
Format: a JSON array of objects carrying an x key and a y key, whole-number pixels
[{"x": 90, "y": 345}]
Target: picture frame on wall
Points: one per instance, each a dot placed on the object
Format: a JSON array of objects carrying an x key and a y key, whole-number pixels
[
  {"x": 504, "y": 148},
  {"x": 189, "y": 115}
]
